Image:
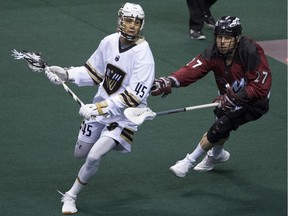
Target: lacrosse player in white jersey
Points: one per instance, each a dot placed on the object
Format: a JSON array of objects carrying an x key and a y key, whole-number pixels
[{"x": 123, "y": 67}]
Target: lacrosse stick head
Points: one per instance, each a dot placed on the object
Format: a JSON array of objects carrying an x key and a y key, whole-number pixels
[
  {"x": 139, "y": 115},
  {"x": 33, "y": 59}
]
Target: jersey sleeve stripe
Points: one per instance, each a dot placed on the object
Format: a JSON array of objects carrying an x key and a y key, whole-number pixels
[
  {"x": 129, "y": 99},
  {"x": 94, "y": 75}
]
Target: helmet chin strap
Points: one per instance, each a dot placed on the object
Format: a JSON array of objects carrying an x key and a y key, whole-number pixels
[
  {"x": 129, "y": 37},
  {"x": 228, "y": 53}
]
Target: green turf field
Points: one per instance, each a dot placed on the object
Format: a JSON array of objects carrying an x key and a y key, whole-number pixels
[{"x": 39, "y": 121}]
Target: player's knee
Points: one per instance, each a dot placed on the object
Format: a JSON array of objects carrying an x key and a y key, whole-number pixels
[
  {"x": 92, "y": 160},
  {"x": 219, "y": 130},
  {"x": 82, "y": 149}
]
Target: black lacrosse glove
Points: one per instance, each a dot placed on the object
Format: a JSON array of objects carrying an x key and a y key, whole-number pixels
[{"x": 162, "y": 86}]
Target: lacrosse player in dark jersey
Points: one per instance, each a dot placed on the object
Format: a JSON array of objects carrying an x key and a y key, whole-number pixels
[{"x": 243, "y": 79}]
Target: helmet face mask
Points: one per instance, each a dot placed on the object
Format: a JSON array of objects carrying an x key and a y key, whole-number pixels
[
  {"x": 127, "y": 14},
  {"x": 227, "y": 33},
  {"x": 225, "y": 44}
]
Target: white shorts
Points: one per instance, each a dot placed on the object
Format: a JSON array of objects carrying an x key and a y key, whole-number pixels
[{"x": 90, "y": 131}]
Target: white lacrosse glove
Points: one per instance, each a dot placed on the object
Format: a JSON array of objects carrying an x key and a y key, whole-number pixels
[
  {"x": 53, "y": 78},
  {"x": 56, "y": 74},
  {"x": 89, "y": 111}
]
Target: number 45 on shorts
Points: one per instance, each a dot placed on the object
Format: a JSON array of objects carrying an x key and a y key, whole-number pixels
[{"x": 86, "y": 129}]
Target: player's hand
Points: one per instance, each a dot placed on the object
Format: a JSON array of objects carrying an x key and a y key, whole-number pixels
[
  {"x": 161, "y": 86},
  {"x": 53, "y": 77},
  {"x": 56, "y": 74},
  {"x": 89, "y": 111},
  {"x": 225, "y": 104},
  {"x": 229, "y": 101}
]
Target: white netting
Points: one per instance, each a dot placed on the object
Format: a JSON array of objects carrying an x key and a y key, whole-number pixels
[{"x": 139, "y": 115}]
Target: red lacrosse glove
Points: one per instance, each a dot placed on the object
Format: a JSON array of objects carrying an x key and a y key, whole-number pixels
[
  {"x": 161, "y": 86},
  {"x": 229, "y": 101},
  {"x": 224, "y": 103}
]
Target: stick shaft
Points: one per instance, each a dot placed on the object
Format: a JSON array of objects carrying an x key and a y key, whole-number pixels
[
  {"x": 36, "y": 62},
  {"x": 186, "y": 109},
  {"x": 67, "y": 89}
]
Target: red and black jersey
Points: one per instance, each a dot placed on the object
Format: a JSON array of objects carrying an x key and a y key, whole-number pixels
[{"x": 248, "y": 73}]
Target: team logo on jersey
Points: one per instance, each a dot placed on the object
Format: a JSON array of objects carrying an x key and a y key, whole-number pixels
[
  {"x": 238, "y": 85},
  {"x": 117, "y": 58},
  {"x": 113, "y": 79}
]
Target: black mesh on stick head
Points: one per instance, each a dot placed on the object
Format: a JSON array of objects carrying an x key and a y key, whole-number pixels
[{"x": 34, "y": 60}]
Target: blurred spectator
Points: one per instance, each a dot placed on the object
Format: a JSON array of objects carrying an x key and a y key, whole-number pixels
[{"x": 199, "y": 11}]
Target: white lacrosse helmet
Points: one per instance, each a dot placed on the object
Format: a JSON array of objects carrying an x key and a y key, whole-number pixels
[{"x": 130, "y": 10}]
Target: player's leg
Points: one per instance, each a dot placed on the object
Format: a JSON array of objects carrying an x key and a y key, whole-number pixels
[
  {"x": 216, "y": 136},
  {"x": 210, "y": 21},
  {"x": 112, "y": 138},
  {"x": 107, "y": 142},
  {"x": 89, "y": 133},
  {"x": 222, "y": 128},
  {"x": 82, "y": 149},
  {"x": 89, "y": 169},
  {"x": 196, "y": 18},
  {"x": 215, "y": 155},
  {"x": 184, "y": 166}
]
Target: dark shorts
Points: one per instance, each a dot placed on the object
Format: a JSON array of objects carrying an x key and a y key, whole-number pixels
[{"x": 249, "y": 112}]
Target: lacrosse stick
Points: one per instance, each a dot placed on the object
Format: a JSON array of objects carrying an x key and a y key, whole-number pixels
[
  {"x": 139, "y": 115},
  {"x": 36, "y": 64}
]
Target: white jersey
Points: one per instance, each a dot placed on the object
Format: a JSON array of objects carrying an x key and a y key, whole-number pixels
[{"x": 124, "y": 75}]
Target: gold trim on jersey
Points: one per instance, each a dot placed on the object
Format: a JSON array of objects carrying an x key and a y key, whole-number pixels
[
  {"x": 129, "y": 99},
  {"x": 140, "y": 40},
  {"x": 127, "y": 135},
  {"x": 97, "y": 78}
]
